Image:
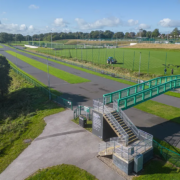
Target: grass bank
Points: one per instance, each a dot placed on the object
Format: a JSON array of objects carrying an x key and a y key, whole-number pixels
[
  {"x": 21, "y": 118},
  {"x": 70, "y": 78},
  {"x": 1, "y": 46},
  {"x": 62, "y": 172},
  {"x": 159, "y": 170}
]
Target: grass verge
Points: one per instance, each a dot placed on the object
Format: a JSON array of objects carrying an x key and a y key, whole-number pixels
[
  {"x": 158, "y": 170},
  {"x": 21, "y": 118},
  {"x": 34, "y": 79},
  {"x": 162, "y": 110},
  {"x": 1, "y": 46},
  {"x": 64, "y": 171},
  {"x": 70, "y": 78},
  {"x": 82, "y": 69}
]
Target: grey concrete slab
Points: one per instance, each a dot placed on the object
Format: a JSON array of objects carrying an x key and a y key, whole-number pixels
[{"x": 76, "y": 148}]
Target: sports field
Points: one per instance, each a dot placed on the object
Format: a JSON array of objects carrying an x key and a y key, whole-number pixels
[{"x": 153, "y": 61}]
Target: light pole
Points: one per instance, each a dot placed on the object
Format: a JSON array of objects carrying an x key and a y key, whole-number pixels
[
  {"x": 51, "y": 39},
  {"x": 48, "y": 79},
  {"x": 39, "y": 38},
  {"x": 140, "y": 64}
]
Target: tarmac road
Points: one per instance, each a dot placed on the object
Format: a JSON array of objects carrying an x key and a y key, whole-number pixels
[{"x": 84, "y": 93}]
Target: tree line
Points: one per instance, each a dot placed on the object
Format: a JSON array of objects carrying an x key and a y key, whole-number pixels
[{"x": 6, "y": 37}]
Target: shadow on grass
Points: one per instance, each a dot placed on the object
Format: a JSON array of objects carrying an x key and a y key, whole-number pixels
[
  {"x": 157, "y": 168},
  {"x": 23, "y": 102}
]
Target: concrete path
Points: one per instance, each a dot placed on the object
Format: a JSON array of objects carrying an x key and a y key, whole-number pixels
[{"x": 62, "y": 141}]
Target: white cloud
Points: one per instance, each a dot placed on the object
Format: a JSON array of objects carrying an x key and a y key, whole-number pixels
[
  {"x": 166, "y": 22},
  {"x": 144, "y": 26},
  {"x": 105, "y": 22},
  {"x": 60, "y": 22},
  {"x": 32, "y": 6},
  {"x": 132, "y": 22},
  {"x": 4, "y": 19},
  {"x": 31, "y": 28},
  {"x": 23, "y": 27}
]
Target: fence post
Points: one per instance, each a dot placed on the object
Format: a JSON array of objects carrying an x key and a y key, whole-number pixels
[
  {"x": 148, "y": 62},
  {"x": 133, "y": 60}
]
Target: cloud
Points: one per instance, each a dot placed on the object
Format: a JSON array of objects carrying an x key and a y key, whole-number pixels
[
  {"x": 22, "y": 27},
  {"x": 31, "y": 28},
  {"x": 32, "y": 6},
  {"x": 60, "y": 22},
  {"x": 132, "y": 22},
  {"x": 166, "y": 22},
  {"x": 3, "y": 12},
  {"x": 105, "y": 22},
  {"x": 144, "y": 26},
  {"x": 4, "y": 19}
]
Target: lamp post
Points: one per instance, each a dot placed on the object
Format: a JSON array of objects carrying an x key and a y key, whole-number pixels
[
  {"x": 39, "y": 38},
  {"x": 51, "y": 39},
  {"x": 48, "y": 79},
  {"x": 140, "y": 64}
]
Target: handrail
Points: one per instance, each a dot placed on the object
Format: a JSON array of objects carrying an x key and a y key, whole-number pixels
[
  {"x": 114, "y": 122},
  {"x": 138, "y": 88},
  {"x": 145, "y": 95},
  {"x": 126, "y": 120}
]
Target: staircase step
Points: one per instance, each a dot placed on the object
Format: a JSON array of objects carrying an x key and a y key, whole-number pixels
[
  {"x": 133, "y": 140},
  {"x": 132, "y": 136}
]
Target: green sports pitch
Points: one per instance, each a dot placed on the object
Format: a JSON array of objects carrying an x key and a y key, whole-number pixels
[{"x": 152, "y": 61}]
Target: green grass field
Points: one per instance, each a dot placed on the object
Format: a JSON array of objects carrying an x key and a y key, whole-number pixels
[
  {"x": 21, "y": 117},
  {"x": 1, "y": 46},
  {"x": 153, "y": 64},
  {"x": 70, "y": 78},
  {"x": 159, "y": 170},
  {"x": 62, "y": 172}
]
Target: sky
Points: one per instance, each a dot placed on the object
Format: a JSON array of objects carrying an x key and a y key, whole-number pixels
[{"x": 43, "y": 16}]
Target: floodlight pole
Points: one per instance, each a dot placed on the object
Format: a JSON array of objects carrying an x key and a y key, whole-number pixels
[
  {"x": 140, "y": 64},
  {"x": 39, "y": 38},
  {"x": 51, "y": 39},
  {"x": 48, "y": 79}
]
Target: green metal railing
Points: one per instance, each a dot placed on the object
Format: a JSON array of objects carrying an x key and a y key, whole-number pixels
[
  {"x": 127, "y": 92},
  {"x": 55, "y": 98},
  {"x": 145, "y": 95},
  {"x": 83, "y": 110},
  {"x": 166, "y": 154}
]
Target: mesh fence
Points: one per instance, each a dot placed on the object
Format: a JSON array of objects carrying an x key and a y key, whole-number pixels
[
  {"x": 115, "y": 75},
  {"x": 83, "y": 110},
  {"x": 166, "y": 154},
  {"x": 64, "y": 102}
]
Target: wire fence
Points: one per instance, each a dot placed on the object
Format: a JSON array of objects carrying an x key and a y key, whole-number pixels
[
  {"x": 63, "y": 102},
  {"x": 166, "y": 154},
  {"x": 83, "y": 110},
  {"x": 139, "y": 60},
  {"x": 115, "y": 75}
]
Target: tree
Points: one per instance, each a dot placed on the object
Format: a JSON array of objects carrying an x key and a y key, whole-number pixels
[
  {"x": 148, "y": 34},
  {"x": 175, "y": 32},
  {"x": 127, "y": 35},
  {"x": 119, "y": 35},
  {"x": 108, "y": 34},
  {"x": 4, "y": 37},
  {"x": 19, "y": 37},
  {"x": 155, "y": 33},
  {"x": 5, "y": 79}
]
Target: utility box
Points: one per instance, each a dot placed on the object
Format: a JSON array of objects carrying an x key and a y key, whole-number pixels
[
  {"x": 82, "y": 121},
  {"x": 138, "y": 163}
]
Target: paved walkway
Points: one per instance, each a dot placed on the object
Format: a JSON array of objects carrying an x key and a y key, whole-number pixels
[{"x": 62, "y": 141}]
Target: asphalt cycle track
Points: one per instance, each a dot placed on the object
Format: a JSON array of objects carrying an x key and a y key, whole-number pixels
[{"x": 84, "y": 93}]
